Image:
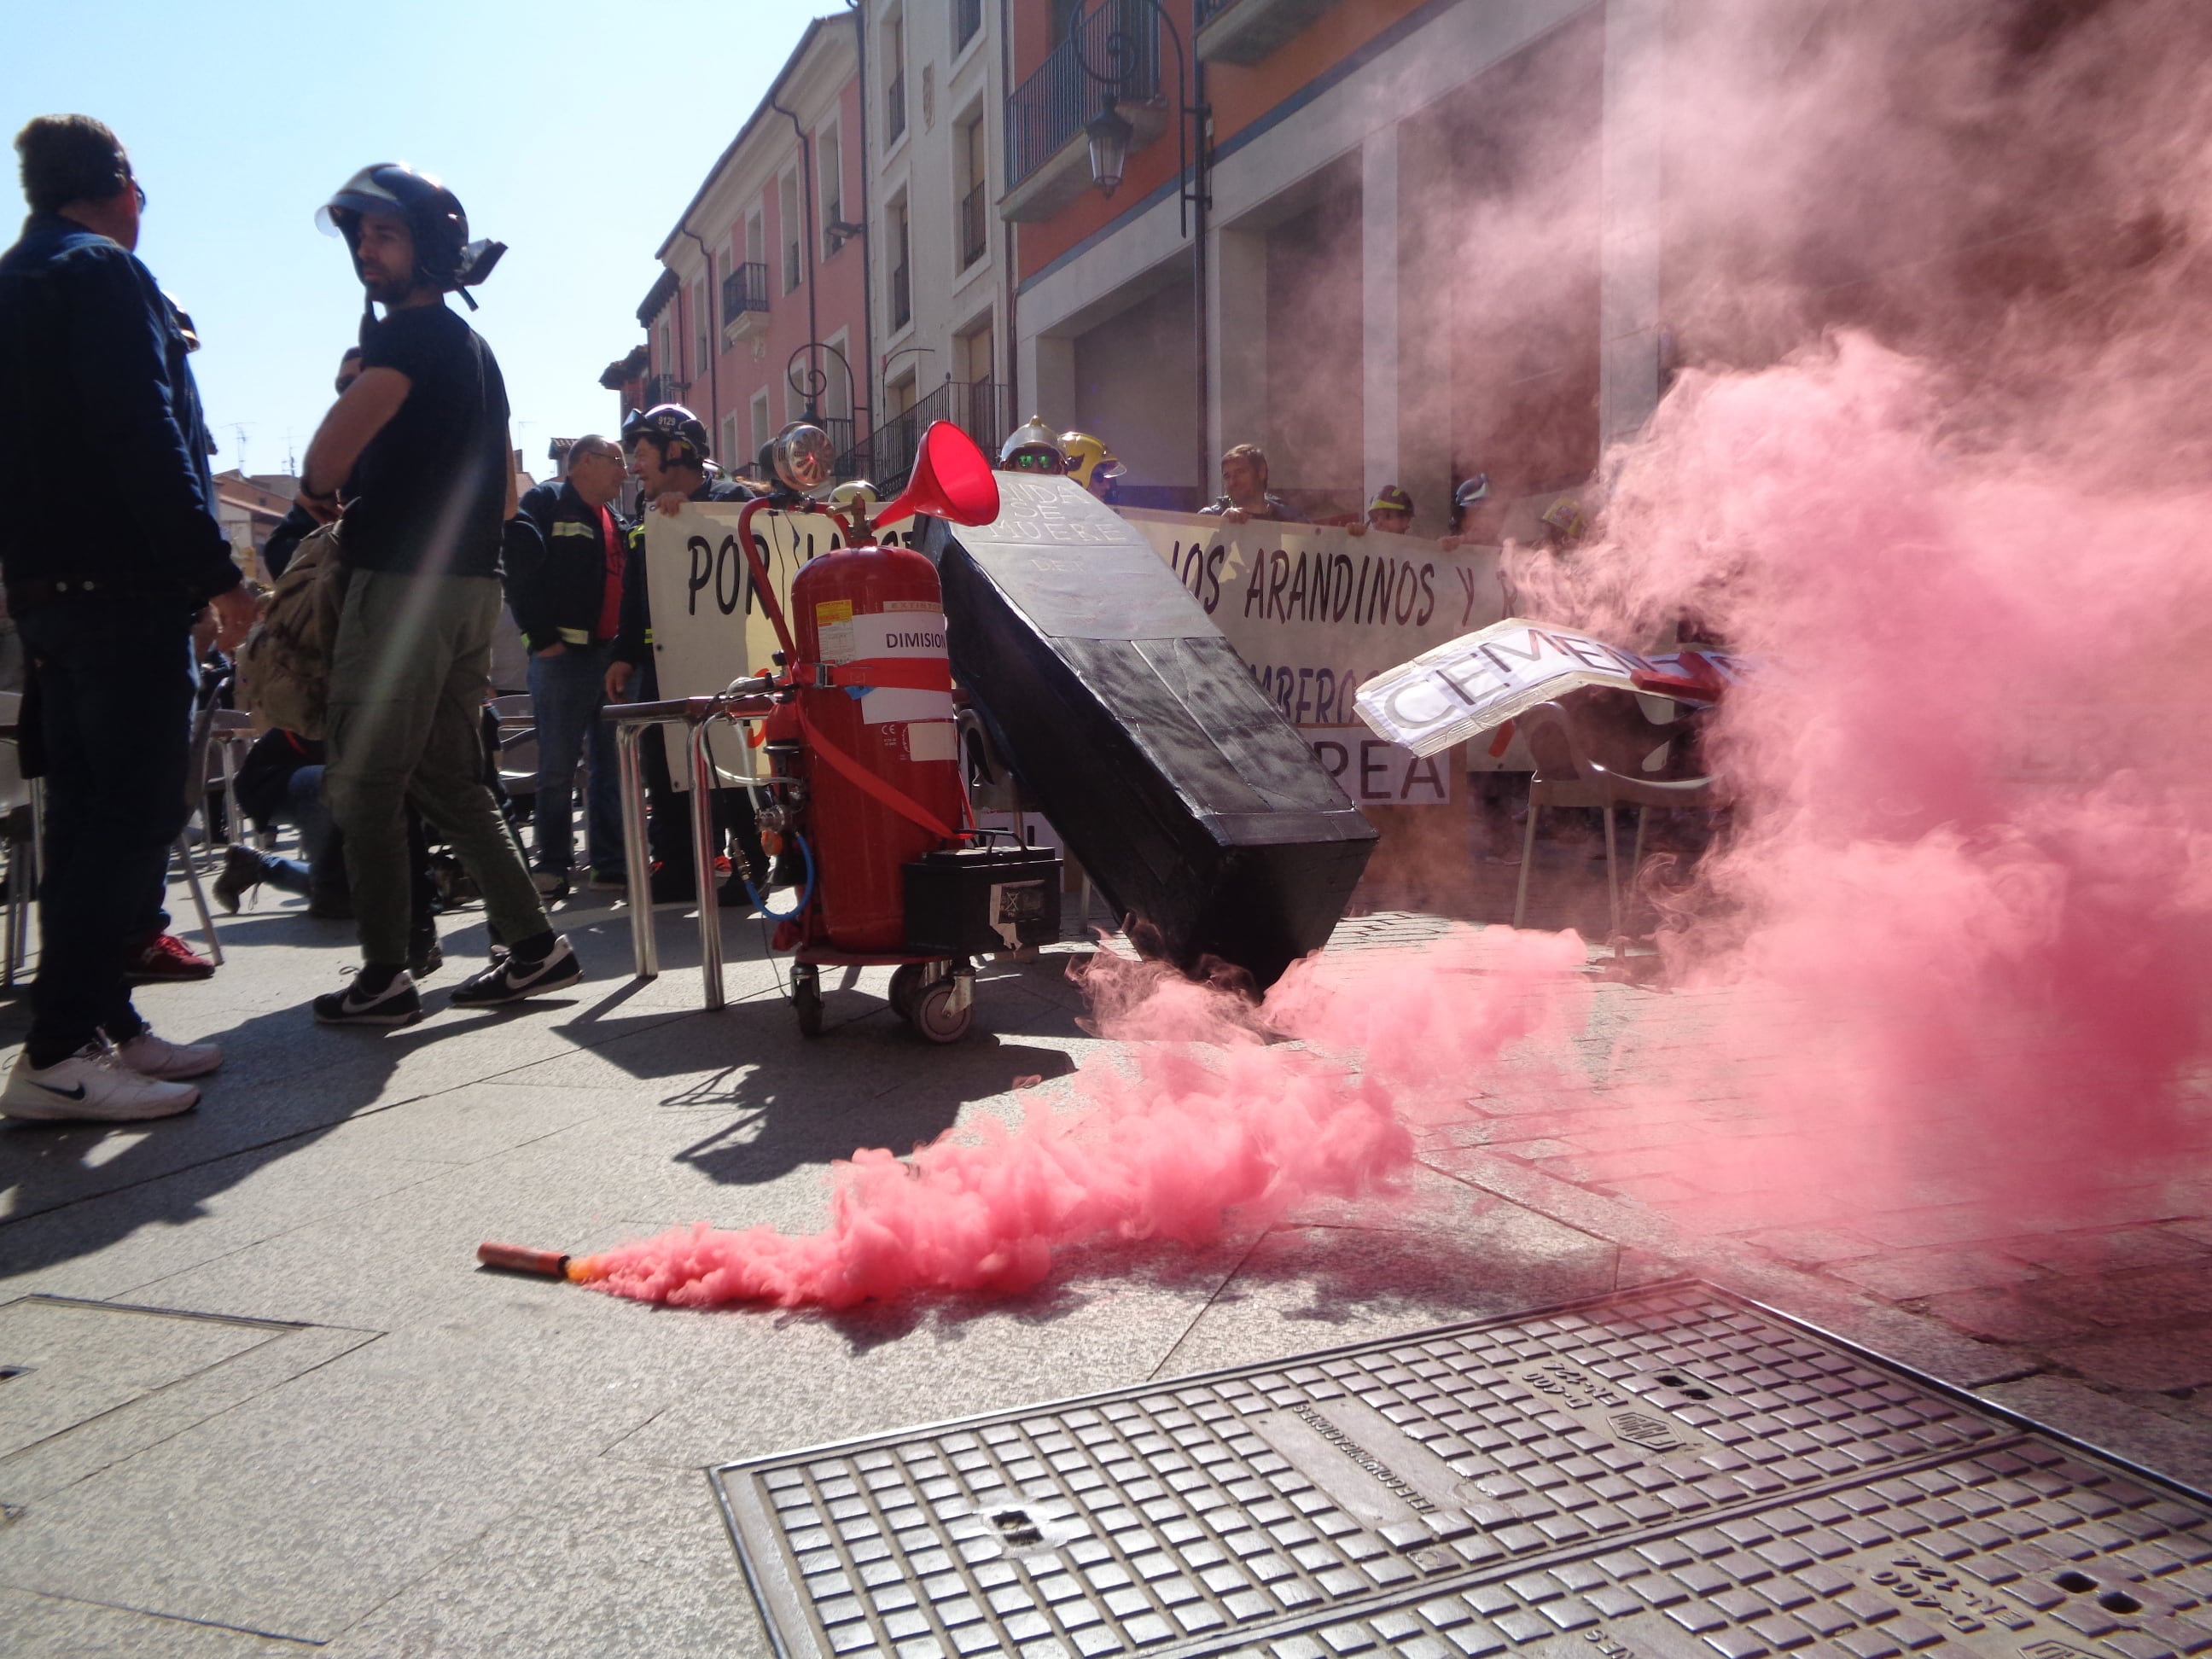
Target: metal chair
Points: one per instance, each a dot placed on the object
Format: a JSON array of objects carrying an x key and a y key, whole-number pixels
[
  {"x": 20, "y": 811},
  {"x": 196, "y": 787},
  {"x": 1567, "y": 775}
]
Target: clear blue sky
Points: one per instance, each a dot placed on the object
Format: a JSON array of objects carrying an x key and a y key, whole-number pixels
[{"x": 573, "y": 133}]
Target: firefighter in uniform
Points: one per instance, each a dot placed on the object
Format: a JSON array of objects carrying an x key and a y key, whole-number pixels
[
  {"x": 669, "y": 452},
  {"x": 1090, "y": 464},
  {"x": 1032, "y": 447}
]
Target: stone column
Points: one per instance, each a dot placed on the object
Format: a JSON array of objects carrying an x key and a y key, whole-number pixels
[
  {"x": 1628, "y": 300},
  {"x": 1236, "y": 343},
  {"x": 1378, "y": 308}
]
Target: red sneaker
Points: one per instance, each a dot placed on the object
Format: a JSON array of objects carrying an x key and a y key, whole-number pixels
[{"x": 163, "y": 957}]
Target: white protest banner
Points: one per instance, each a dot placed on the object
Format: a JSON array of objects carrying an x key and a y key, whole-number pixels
[
  {"x": 1315, "y": 612},
  {"x": 1469, "y": 685},
  {"x": 1376, "y": 772},
  {"x": 708, "y": 627}
]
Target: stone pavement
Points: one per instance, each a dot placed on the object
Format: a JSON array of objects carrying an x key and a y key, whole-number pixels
[{"x": 270, "y": 1403}]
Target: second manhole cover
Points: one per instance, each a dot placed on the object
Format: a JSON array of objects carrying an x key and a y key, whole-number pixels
[{"x": 1649, "y": 1447}]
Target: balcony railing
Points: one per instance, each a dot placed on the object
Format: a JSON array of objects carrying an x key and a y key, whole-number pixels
[
  {"x": 886, "y": 455},
  {"x": 895, "y": 106},
  {"x": 744, "y": 289},
  {"x": 1204, "y": 11},
  {"x": 901, "y": 297},
  {"x": 1121, "y": 41},
  {"x": 975, "y": 225},
  {"x": 664, "y": 389}
]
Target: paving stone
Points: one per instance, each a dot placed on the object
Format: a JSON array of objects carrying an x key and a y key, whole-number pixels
[
  {"x": 2157, "y": 1362},
  {"x": 1813, "y": 1246},
  {"x": 1931, "y": 1272},
  {"x": 55, "y": 1628},
  {"x": 2158, "y": 1295},
  {"x": 2006, "y": 1314}
]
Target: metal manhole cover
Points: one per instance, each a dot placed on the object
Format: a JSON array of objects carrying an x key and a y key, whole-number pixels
[{"x": 1647, "y": 1474}]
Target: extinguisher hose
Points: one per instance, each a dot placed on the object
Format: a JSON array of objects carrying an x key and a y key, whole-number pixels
[{"x": 805, "y": 893}]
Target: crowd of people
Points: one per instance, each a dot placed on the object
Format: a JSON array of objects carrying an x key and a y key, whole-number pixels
[{"x": 408, "y": 550}]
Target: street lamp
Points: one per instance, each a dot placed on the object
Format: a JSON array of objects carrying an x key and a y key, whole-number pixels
[
  {"x": 1126, "y": 52},
  {"x": 1109, "y": 131},
  {"x": 1109, "y": 134}
]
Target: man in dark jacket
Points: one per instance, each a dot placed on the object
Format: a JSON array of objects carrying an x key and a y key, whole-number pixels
[
  {"x": 668, "y": 452},
  {"x": 88, "y": 345},
  {"x": 565, "y": 592}
]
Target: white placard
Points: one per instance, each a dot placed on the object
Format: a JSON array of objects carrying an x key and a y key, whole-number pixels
[
  {"x": 1468, "y": 686},
  {"x": 1314, "y": 612}
]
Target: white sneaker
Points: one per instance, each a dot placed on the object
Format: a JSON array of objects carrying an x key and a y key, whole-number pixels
[
  {"x": 93, "y": 1085},
  {"x": 157, "y": 1057}
]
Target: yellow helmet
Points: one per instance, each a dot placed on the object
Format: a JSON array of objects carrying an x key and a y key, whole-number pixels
[{"x": 1088, "y": 458}]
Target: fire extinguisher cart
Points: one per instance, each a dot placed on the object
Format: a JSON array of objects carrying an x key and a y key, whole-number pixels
[{"x": 863, "y": 779}]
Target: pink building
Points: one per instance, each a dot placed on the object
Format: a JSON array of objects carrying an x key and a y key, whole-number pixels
[{"x": 760, "y": 314}]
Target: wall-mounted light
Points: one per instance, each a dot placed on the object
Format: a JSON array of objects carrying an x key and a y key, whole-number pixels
[{"x": 1109, "y": 134}]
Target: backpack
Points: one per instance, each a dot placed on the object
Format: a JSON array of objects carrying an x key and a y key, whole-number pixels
[{"x": 284, "y": 666}]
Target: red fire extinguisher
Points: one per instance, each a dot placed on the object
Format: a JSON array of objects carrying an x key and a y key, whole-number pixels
[
  {"x": 871, "y": 684},
  {"x": 881, "y": 754}
]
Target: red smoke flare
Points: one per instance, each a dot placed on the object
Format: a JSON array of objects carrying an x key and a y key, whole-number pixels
[{"x": 1233, "y": 1130}]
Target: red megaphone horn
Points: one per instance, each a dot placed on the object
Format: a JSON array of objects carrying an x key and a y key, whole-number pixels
[{"x": 952, "y": 479}]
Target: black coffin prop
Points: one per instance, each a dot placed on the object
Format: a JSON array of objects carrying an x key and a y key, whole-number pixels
[{"x": 1137, "y": 730}]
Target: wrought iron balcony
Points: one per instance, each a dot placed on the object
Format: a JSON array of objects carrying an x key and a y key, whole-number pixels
[
  {"x": 886, "y": 456},
  {"x": 744, "y": 302},
  {"x": 1114, "y": 54}
]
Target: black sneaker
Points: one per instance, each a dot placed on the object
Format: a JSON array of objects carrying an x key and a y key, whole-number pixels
[
  {"x": 424, "y": 954},
  {"x": 552, "y": 886},
  {"x": 511, "y": 978},
  {"x": 397, "y": 1004}
]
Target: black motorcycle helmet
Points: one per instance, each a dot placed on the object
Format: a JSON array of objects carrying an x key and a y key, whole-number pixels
[
  {"x": 681, "y": 434},
  {"x": 444, "y": 256}
]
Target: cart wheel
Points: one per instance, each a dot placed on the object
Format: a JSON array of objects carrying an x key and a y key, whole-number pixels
[
  {"x": 906, "y": 980},
  {"x": 806, "y": 1000},
  {"x": 932, "y": 1014}
]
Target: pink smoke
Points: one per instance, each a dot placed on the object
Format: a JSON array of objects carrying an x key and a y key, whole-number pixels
[{"x": 1221, "y": 1125}]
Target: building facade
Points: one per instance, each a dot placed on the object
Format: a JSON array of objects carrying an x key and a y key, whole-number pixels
[
  {"x": 1323, "y": 239},
  {"x": 759, "y": 316},
  {"x": 935, "y": 77}
]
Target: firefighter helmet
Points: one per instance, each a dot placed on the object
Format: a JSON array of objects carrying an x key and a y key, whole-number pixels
[
  {"x": 1566, "y": 517},
  {"x": 1471, "y": 491},
  {"x": 681, "y": 435},
  {"x": 1033, "y": 446},
  {"x": 444, "y": 256},
  {"x": 1088, "y": 458}
]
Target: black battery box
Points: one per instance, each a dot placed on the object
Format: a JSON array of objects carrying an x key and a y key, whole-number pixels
[{"x": 969, "y": 901}]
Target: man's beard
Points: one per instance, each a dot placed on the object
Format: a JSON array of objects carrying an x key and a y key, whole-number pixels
[{"x": 383, "y": 289}]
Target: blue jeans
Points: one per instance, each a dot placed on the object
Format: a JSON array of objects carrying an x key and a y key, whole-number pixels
[
  {"x": 565, "y": 694},
  {"x": 304, "y": 809},
  {"x": 115, "y": 687}
]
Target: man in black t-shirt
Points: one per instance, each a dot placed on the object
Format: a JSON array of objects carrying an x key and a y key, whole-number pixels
[{"x": 421, "y": 442}]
